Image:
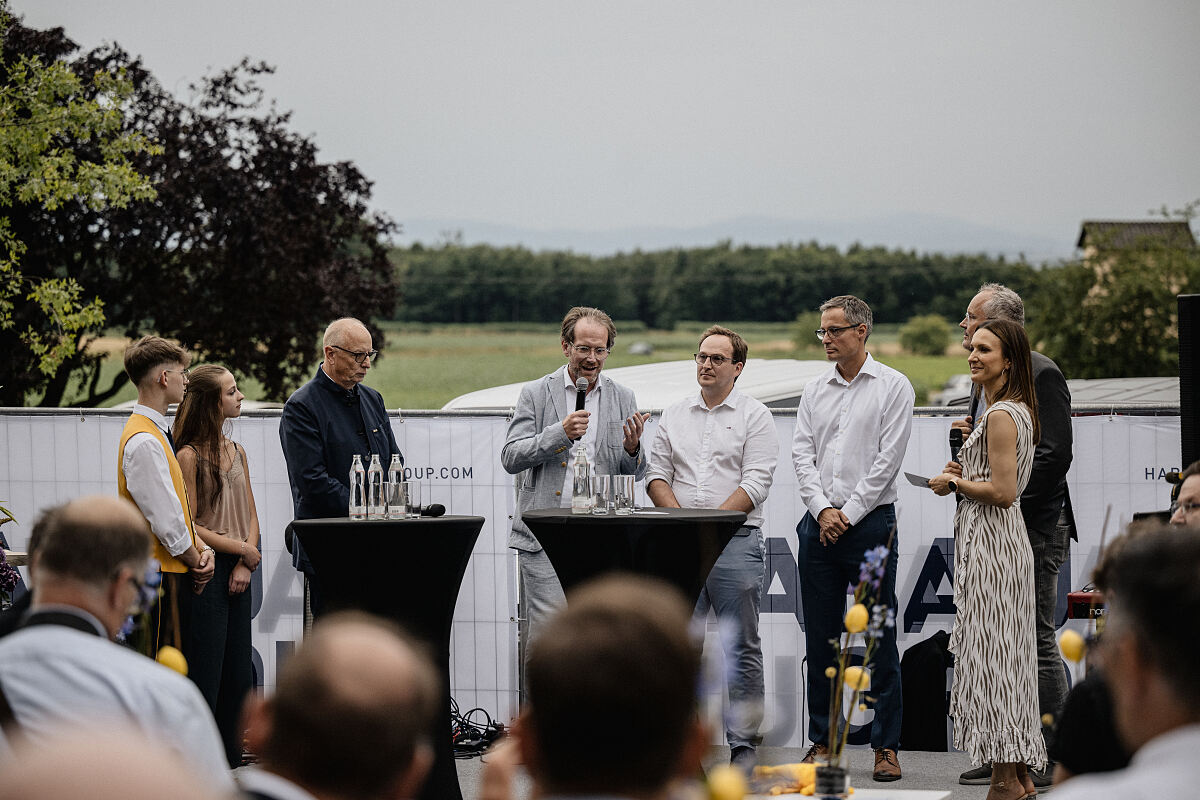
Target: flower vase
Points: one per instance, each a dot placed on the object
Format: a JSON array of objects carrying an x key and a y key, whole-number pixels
[{"x": 832, "y": 782}]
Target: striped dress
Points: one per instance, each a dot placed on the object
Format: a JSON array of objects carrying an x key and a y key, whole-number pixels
[{"x": 994, "y": 701}]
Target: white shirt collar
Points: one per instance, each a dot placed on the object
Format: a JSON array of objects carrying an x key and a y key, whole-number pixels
[
  {"x": 730, "y": 400},
  {"x": 870, "y": 367},
  {"x": 268, "y": 783},
  {"x": 151, "y": 414}
]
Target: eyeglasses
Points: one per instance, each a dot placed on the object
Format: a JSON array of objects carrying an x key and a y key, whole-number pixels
[
  {"x": 716, "y": 361},
  {"x": 184, "y": 372},
  {"x": 600, "y": 353},
  {"x": 1186, "y": 508},
  {"x": 359, "y": 357},
  {"x": 834, "y": 332}
]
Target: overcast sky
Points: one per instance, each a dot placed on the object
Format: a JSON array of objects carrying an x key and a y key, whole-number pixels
[{"x": 1024, "y": 116}]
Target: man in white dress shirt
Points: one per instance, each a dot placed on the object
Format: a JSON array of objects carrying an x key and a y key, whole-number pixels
[
  {"x": 59, "y": 671},
  {"x": 718, "y": 449},
  {"x": 1150, "y": 647},
  {"x": 148, "y": 475},
  {"x": 852, "y": 429}
]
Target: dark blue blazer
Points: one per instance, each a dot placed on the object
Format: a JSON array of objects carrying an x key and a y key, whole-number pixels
[{"x": 321, "y": 429}]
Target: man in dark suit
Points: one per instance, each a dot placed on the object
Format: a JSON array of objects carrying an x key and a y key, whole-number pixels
[
  {"x": 350, "y": 716},
  {"x": 323, "y": 425},
  {"x": 1045, "y": 504}
]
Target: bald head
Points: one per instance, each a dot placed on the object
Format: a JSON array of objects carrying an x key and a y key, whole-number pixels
[
  {"x": 89, "y": 540},
  {"x": 344, "y": 330},
  {"x": 352, "y": 711}
]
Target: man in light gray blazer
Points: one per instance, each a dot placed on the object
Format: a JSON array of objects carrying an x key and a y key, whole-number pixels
[{"x": 545, "y": 428}]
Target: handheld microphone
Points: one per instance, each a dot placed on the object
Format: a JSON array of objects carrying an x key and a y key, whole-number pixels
[
  {"x": 581, "y": 385},
  {"x": 433, "y": 510},
  {"x": 956, "y": 443}
]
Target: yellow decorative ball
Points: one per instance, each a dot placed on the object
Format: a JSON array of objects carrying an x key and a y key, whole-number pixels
[
  {"x": 1072, "y": 645},
  {"x": 858, "y": 678},
  {"x": 831, "y": 672},
  {"x": 726, "y": 782},
  {"x": 862, "y": 706},
  {"x": 171, "y": 657},
  {"x": 856, "y": 618},
  {"x": 1047, "y": 719}
]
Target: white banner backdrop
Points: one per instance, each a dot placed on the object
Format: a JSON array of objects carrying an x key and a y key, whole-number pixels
[{"x": 46, "y": 459}]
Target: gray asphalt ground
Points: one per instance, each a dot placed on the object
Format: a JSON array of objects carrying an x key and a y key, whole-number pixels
[{"x": 922, "y": 770}]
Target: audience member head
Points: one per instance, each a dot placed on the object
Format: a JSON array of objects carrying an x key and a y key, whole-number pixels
[
  {"x": 91, "y": 553},
  {"x": 611, "y": 692},
  {"x": 1185, "y": 508},
  {"x": 352, "y": 712},
  {"x": 1151, "y": 642},
  {"x": 740, "y": 348},
  {"x": 158, "y": 369},
  {"x": 102, "y": 764},
  {"x": 348, "y": 351},
  {"x": 856, "y": 311},
  {"x": 992, "y": 301},
  {"x": 1014, "y": 346}
]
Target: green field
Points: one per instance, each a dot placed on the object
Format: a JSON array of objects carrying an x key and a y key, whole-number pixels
[{"x": 424, "y": 366}]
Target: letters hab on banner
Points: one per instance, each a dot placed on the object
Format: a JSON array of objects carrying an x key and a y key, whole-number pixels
[{"x": 46, "y": 459}]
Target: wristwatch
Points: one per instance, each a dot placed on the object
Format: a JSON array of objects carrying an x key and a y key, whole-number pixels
[{"x": 953, "y": 484}]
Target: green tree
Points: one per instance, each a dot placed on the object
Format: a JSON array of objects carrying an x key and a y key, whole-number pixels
[
  {"x": 251, "y": 246},
  {"x": 926, "y": 335},
  {"x": 1115, "y": 313},
  {"x": 46, "y": 111}
]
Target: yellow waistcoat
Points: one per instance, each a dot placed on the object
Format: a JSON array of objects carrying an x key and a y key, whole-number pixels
[{"x": 139, "y": 424}]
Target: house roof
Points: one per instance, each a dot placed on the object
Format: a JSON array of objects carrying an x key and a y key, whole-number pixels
[{"x": 1119, "y": 235}]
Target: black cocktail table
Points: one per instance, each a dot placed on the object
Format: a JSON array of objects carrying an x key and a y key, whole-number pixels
[
  {"x": 679, "y": 545},
  {"x": 409, "y": 571}
]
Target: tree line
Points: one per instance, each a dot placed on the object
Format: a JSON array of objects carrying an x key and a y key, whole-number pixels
[{"x": 477, "y": 284}]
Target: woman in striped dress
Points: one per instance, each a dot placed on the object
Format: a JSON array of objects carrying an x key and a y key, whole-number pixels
[{"x": 994, "y": 701}]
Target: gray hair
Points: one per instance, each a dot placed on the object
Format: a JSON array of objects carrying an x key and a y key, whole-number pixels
[
  {"x": 335, "y": 334},
  {"x": 1003, "y": 303},
  {"x": 857, "y": 311}
]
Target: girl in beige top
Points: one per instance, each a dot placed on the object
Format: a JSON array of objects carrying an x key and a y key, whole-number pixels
[{"x": 217, "y": 634}]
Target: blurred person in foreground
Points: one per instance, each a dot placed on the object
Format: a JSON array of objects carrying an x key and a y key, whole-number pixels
[
  {"x": 1185, "y": 508},
  {"x": 107, "y": 763},
  {"x": 994, "y": 700},
  {"x": 324, "y": 424},
  {"x": 60, "y": 670},
  {"x": 1045, "y": 501},
  {"x": 538, "y": 447},
  {"x": 610, "y": 698},
  {"x": 1150, "y": 648},
  {"x": 717, "y": 449},
  {"x": 350, "y": 717}
]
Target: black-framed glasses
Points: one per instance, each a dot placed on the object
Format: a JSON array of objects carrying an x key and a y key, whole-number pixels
[
  {"x": 716, "y": 361},
  {"x": 834, "y": 332},
  {"x": 600, "y": 353},
  {"x": 1186, "y": 508},
  {"x": 359, "y": 357}
]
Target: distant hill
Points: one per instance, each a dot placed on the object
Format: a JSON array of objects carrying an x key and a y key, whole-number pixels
[{"x": 920, "y": 232}]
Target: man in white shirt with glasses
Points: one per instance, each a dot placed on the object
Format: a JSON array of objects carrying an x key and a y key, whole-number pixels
[
  {"x": 718, "y": 449},
  {"x": 852, "y": 429},
  {"x": 544, "y": 431}
]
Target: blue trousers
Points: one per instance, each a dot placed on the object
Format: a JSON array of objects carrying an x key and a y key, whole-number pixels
[
  {"x": 734, "y": 591},
  {"x": 825, "y": 573}
]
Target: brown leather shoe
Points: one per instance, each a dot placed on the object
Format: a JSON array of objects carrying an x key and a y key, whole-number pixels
[
  {"x": 817, "y": 751},
  {"x": 887, "y": 767}
]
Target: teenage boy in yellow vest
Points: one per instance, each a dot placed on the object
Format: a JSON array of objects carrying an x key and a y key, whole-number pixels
[{"x": 149, "y": 476}]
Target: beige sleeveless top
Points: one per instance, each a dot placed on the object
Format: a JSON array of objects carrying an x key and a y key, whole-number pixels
[{"x": 231, "y": 514}]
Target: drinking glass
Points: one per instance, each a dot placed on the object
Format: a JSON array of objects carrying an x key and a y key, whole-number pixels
[
  {"x": 602, "y": 493},
  {"x": 413, "y": 493},
  {"x": 623, "y": 493}
]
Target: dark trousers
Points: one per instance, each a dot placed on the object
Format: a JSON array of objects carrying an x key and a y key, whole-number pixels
[
  {"x": 825, "y": 573},
  {"x": 169, "y": 617},
  {"x": 218, "y": 653},
  {"x": 1049, "y": 543}
]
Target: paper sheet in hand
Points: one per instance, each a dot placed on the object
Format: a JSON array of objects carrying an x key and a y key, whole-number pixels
[{"x": 917, "y": 480}]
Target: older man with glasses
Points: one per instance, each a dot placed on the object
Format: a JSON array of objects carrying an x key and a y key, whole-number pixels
[
  {"x": 546, "y": 425},
  {"x": 324, "y": 424}
]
